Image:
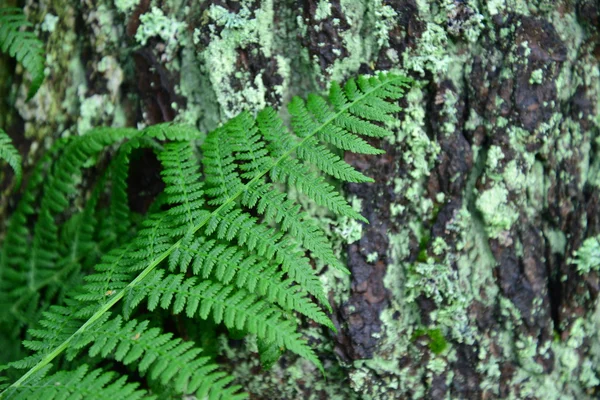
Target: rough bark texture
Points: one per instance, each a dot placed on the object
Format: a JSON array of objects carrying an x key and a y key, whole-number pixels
[{"x": 462, "y": 285}]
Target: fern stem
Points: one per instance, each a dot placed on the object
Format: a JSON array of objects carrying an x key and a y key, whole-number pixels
[{"x": 155, "y": 262}]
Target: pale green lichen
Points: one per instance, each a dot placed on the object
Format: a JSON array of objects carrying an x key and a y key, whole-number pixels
[
  {"x": 573, "y": 373},
  {"x": 587, "y": 257},
  {"x": 92, "y": 110},
  {"x": 372, "y": 16},
  {"x": 422, "y": 150},
  {"x": 431, "y": 53},
  {"x": 372, "y": 257},
  {"x": 440, "y": 247},
  {"x": 497, "y": 213},
  {"x": 495, "y": 7},
  {"x": 494, "y": 156},
  {"x": 385, "y": 19},
  {"x": 349, "y": 229},
  {"x": 440, "y": 283},
  {"x": 219, "y": 58},
  {"x": 223, "y": 17},
  {"x": 357, "y": 49},
  {"x": 106, "y": 30},
  {"x": 513, "y": 177},
  {"x": 537, "y": 77},
  {"x": 125, "y": 6},
  {"x": 323, "y": 10},
  {"x": 169, "y": 30},
  {"x": 557, "y": 240},
  {"x": 110, "y": 68},
  {"x": 49, "y": 23},
  {"x": 452, "y": 14},
  {"x": 449, "y": 113}
]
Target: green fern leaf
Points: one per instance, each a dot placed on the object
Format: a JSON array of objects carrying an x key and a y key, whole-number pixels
[
  {"x": 11, "y": 156},
  {"x": 79, "y": 383},
  {"x": 232, "y": 264},
  {"x": 236, "y": 308},
  {"x": 120, "y": 214},
  {"x": 23, "y": 45},
  {"x": 244, "y": 240},
  {"x": 42, "y": 263}
]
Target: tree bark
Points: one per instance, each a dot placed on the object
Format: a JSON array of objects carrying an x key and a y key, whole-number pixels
[{"x": 463, "y": 284}]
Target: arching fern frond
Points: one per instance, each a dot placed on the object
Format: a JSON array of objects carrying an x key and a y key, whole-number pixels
[
  {"x": 16, "y": 250},
  {"x": 9, "y": 154},
  {"x": 23, "y": 45},
  {"x": 224, "y": 241},
  {"x": 43, "y": 266}
]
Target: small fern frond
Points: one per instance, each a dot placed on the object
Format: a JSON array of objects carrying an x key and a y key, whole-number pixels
[
  {"x": 9, "y": 154},
  {"x": 172, "y": 131},
  {"x": 314, "y": 153},
  {"x": 222, "y": 178},
  {"x": 172, "y": 362},
  {"x": 278, "y": 209},
  {"x": 23, "y": 45},
  {"x": 58, "y": 324}
]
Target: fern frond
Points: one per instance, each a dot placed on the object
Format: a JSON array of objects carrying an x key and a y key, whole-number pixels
[
  {"x": 42, "y": 263},
  {"x": 232, "y": 264},
  {"x": 16, "y": 247},
  {"x": 237, "y": 309},
  {"x": 185, "y": 195},
  {"x": 79, "y": 384},
  {"x": 312, "y": 152},
  {"x": 184, "y": 184},
  {"x": 234, "y": 227},
  {"x": 58, "y": 324},
  {"x": 238, "y": 145},
  {"x": 119, "y": 202},
  {"x": 298, "y": 175},
  {"x": 77, "y": 236},
  {"x": 222, "y": 178},
  {"x": 9, "y": 154},
  {"x": 23, "y": 45},
  {"x": 172, "y": 131},
  {"x": 276, "y": 208},
  {"x": 118, "y": 267},
  {"x": 172, "y": 362},
  {"x": 268, "y": 243}
]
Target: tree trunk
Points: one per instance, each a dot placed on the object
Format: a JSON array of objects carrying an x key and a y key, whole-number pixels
[{"x": 464, "y": 283}]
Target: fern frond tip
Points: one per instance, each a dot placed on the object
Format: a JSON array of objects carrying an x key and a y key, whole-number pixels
[{"x": 10, "y": 154}]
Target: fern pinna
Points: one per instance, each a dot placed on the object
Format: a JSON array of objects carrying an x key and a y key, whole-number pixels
[
  {"x": 222, "y": 242},
  {"x": 23, "y": 45},
  {"x": 9, "y": 154}
]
